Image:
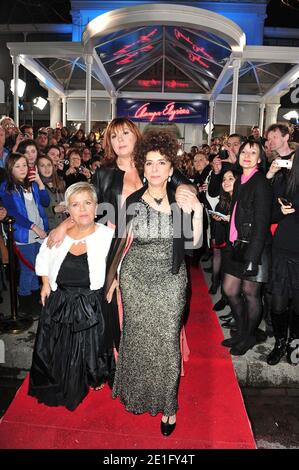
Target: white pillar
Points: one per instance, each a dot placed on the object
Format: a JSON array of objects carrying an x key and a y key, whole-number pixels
[
  {"x": 211, "y": 120},
  {"x": 55, "y": 108},
  {"x": 261, "y": 118},
  {"x": 233, "y": 117},
  {"x": 16, "y": 64},
  {"x": 64, "y": 111},
  {"x": 271, "y": 114},
  {"x": 88, "y": 62},
  {"x": 113, "y": 106}
]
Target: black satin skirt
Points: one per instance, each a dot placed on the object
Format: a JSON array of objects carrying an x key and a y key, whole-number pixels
[{"x": 73, "y": 348}]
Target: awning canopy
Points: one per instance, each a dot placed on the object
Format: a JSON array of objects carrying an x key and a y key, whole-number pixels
[{"x": 162, "y": 50}]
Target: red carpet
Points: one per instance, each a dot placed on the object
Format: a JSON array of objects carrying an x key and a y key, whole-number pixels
[{"x": 211, "y": 414}]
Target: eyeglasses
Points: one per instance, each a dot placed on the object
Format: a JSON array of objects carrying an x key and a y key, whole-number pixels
[
  {"x": 43, "y": 133},
  {"x": 9, "y": 126}
]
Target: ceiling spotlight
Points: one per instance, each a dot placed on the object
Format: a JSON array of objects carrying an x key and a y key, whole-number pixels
[
  {"x": 39, "y": 102},
  {"x": 21, "y": 87}
]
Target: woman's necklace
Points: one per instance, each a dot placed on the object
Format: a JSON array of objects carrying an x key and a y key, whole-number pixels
[
  {"x": 158, "y": 201},
  {"x": 83, "y": 239}
]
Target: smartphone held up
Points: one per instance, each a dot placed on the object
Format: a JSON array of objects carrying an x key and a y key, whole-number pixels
[{"x": 284, "y": 163}]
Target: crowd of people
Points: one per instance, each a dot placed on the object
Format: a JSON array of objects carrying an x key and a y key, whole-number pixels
[{"x": 102, "y": 225}]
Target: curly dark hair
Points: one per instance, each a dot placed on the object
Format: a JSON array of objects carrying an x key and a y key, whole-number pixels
[{"x": 157, "y": 141}]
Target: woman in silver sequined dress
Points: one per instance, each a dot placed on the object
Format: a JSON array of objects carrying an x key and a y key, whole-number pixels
[{"x": 153, "y": 284}]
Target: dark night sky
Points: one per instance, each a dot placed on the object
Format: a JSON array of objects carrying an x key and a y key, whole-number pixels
[{"x": 58, "y": 11}]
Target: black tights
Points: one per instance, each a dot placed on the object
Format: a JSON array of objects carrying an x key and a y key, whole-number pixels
[
  {"x": 280, "y": 303},
  {"x": 244, "y": 298},
  {"x": 216, "y": 265}
]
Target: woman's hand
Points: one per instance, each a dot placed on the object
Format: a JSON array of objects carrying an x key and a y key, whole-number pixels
[
  {"x": 45, "y": 293},
  {"x": 19, "y": 139},
  {"x": 59, "y": 208},
  {"x": 60, "y": 165},
  {"x": 86, "y": 173},
  {"x": 286, "y": 210},
  {"x": 36, "y": 177},
  {"x": 114, "y": 285},
  {"x": 217, "y": 165},
  {"x": 183, "y": 196},
  {"x": 217, "y": 218},
  {"x": 71, "y": 171},
  {"x": 57, "y": 235},
  {"x": 39, "y": 232},
  {"x": 203, "y": 187}
]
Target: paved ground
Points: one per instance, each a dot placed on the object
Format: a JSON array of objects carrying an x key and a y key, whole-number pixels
[
  {"x": 271, "y": 394},
  {"x": 252, "y": 369}
]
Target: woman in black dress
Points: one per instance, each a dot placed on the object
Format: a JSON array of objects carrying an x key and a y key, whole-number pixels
[
  {"x": 153, "y": 283},
  {"x": 74, "y": 347}
]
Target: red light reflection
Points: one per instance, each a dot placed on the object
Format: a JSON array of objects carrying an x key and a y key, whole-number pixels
[
  {"x": 193, "y": 57},
  {"x": 168, "y": 83}
]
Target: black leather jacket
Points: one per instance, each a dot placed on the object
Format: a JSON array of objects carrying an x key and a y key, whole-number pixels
[{"x": 109, "y": 183}]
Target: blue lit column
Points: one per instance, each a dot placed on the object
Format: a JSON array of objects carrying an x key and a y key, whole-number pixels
[
  {"x": 16, "y": 64},
  {"x": 88, "y": 62},
  {"x": 233, "y": 117},
  {"x": 64, "y": 111},
  {"x": 261, "y": 119},
  {"x": 113, "y": 106},
  {"x": 211, "y": 120}
]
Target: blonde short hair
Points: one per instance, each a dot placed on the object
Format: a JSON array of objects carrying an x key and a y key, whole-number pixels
[{"x": 80, "y": 187}]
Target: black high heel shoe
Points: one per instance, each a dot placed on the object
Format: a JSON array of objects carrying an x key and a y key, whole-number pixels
[{"x": 166, "y": 428}]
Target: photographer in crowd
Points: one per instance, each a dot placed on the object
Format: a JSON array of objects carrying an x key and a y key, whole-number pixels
[{"x": 76, "y": 171}]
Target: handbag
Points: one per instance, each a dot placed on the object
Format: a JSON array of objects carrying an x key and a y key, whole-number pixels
[{"x": 239, "y": 250}]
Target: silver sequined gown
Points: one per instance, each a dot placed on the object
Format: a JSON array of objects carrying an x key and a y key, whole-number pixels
[{"x": 148, "y": 367}]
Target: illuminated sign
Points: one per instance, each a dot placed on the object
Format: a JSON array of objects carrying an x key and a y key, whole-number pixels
[{"x": 163, "y": 111}]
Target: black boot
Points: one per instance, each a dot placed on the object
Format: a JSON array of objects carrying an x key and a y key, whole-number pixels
[
  {"x": 280, "y": 327},
  {"x": 36, "y": 306},
  {"x": 293, "y": 341},
  {"x": 221, "y": 304},
  {"x": 267, "y": 311},
  {"x": 238, "y": 335},
  {"x": 25, "y": 305},
  {"x": 215, "y": 285}
]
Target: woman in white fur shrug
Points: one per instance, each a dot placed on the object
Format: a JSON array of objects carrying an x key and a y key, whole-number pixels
[{"x": 75, "y": 338}]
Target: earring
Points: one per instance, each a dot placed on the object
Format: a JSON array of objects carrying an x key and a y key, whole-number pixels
[
  {"x": 169, "y": 179},
  {"x": 144, "y": 180}
]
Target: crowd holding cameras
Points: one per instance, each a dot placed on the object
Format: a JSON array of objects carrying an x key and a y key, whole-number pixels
[
  {"x": 249, "y": 187},
  {"x": 34, "y": 175}
]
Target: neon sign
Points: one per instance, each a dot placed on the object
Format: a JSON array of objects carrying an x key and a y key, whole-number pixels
[
  {"x": 193, "y": 56},
  {"x": 168, "y": 111},
  {"x": 168, "y": 83},
  {"x": 195, "y": 112}
]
